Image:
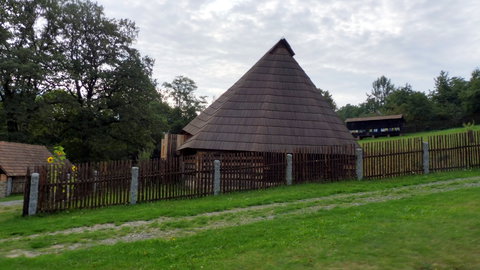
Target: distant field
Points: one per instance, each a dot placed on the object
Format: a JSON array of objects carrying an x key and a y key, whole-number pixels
[
  {"x": 415, "y": 222},
  {"x": 423, "y": 134}
]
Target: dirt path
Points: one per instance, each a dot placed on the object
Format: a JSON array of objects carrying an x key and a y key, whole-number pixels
[
  {"x": 11, "y": 203},
  {"x": 164, "y": 227}
]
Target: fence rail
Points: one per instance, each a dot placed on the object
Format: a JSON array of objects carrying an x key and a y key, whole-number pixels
[{"x": 93, "y": 185}]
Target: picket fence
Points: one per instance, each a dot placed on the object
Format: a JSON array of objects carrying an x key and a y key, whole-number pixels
[{"x": 92, "y": 185}]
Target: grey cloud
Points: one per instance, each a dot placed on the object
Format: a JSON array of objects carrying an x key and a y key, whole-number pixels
[{"x": 342, "y": 45}]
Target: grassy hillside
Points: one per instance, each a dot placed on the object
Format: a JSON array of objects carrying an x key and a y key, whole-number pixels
[
  {"x": 416, "y": 222},
  {"x": 423, "y": 134}
]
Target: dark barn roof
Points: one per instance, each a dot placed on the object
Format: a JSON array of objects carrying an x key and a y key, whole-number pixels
[
  {"x": 273, "y": 107},
  {"x": 375, "y": 118}
]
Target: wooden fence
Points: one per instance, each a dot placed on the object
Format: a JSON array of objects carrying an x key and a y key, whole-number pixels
[
  {"x": 324, "y": 164},
  {"x": 392, "y": 158},
  {"x": 86, "y": 185},
  {"x": 454, "y": 151},
  {"x": 405, "y": 156},
  {"x": 92, "y": 185},
  {"x": 250, "y": 171}
]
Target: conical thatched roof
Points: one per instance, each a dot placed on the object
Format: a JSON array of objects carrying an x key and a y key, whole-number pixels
[{"x": 274, "y": 106}]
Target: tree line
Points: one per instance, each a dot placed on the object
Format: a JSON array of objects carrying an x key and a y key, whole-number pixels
[
  {"x": 70, "y": 76},
  {"x": 453, "y": 102}
]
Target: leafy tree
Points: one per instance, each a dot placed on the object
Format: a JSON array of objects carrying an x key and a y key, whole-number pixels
[
  {"x": 447, "y": 89},
  {"x": 447, "y": 100},
  {"x": 349, "y": 111},
  {"x": 94, "y": 48},
  {"x": 106, "y": 106},
  {"x": 415, "y": 106},
  {"x": 27, "y": 59},
  {"x": 3, "y": 127},
  {"x": 471, "y": 97},
  {"x": 328, "y": 97},
  {"x": 186, "y": 104},
  {"x": 382, "y": 87}
]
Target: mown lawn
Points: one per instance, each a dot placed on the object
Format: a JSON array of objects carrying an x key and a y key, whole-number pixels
[
  {"x": 12, "y": 198},
  {"x": 436, "y": 231},
  {"x": 12, "y": 223},
  {"x": 422, "y": 134}
]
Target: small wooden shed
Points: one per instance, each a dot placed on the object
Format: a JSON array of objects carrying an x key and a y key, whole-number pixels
[
  {"x": 15, "y": 159},
  {"x": 376, "y": 126}
]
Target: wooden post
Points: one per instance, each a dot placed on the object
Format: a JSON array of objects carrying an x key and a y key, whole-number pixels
[
  {"x": 288, "y": 172},
  {"x": 33, "y": 200},
  {"x": 95, "y": 181},
  {"x": 216, "y": 177},
  {"x": 426, "y": 159},
  {"x": 134, "y": 186},
  {"x": 359, "y": 163}
]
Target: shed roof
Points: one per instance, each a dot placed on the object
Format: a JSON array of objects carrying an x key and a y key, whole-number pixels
[
  {"x": 374, "y": 118},
  {"x": 274, "y": 106},
  {"x": 15, "y": 158}
]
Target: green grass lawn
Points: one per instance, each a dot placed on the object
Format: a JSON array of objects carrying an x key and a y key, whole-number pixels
[
  {"x": 422, "y": 134},
  {"x": 434, "y": 231},
  {"x": 437, "y": 231},
  {"x": 12, "y": 223},
  {"x": 12, "y": 198}
]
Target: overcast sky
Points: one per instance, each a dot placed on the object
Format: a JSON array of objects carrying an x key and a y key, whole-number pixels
[{"x": 342, "y": 45}]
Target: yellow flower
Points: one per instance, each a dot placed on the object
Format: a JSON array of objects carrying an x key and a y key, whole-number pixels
[
  {"x": 50, "y": 160},
  {"x": 59, "y": 153},
  {"x": 74, "y": 168}
]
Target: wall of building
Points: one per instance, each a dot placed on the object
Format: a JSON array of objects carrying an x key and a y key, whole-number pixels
[
  {"x": 3, "y": 185},
  {"x": 18, "y": 184}
]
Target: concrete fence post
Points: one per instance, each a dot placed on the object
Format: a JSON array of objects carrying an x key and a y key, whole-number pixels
[
  {"x": 426, "y": 158},
  {"x": 9, "y": 186},
  {"x": 216, "y": 177},
  {"x": 359, "y": 163},
  {"x": 33, "y": 200},
  {"x": 134, "y": 186},
  {"x": 288, "y": 172}
]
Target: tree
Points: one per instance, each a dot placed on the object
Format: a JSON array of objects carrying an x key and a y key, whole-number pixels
[
  {"x": 382, "y": 87},
  {"x": 100, "y": 99},
  {"x": 415, "y": 106},
  {"x": 186, "y": 104},
  {"x": 3, "y": 127},
  {"x": 328, "y": 97},
  {"x": 447, "y": 100},
  {"x": 348, "y": 111},
  {"x": 28, "y": 58},
  {"x": 94, "y": 48},
  {"x": 471, "y": 97}
]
